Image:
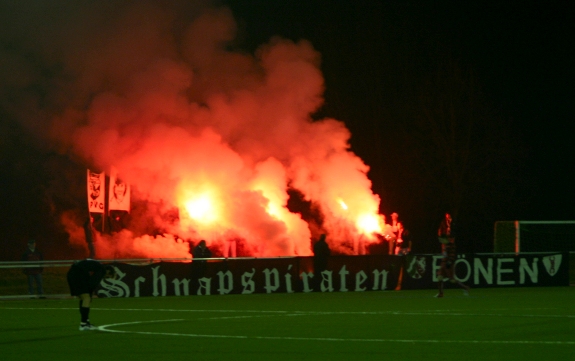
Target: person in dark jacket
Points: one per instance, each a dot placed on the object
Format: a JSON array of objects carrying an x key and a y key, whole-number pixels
[
  {"x": 404, "y": 247},
  {"x": 321, "y": 253},
  {"x": 201, "y": 250},
  {"x": 83, "y": 278},
  {"x": 199, "y": 265},
  {"x": 34, "y": 274}
]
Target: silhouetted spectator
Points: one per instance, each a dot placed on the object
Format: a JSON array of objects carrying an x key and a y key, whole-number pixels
[
  {"x": 34, "y": 274},
  {"x": 199, "y": 264},
  {"x": 404, "y": 246},
  {"x": 90, "y": 237},
  {"x": 202, "y": 251},
  {"x": 321, "y": 253}
]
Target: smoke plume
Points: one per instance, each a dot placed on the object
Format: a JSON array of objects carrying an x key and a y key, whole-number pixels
[{"x": 161, "y": 91}]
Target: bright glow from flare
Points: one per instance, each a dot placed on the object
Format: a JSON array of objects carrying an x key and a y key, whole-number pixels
[
  {"x": 201, "y": 209},
  {"x": 274, "y": 210},
  {"x": 368, "y": 223},
  {"x": 342, "y": 204}
]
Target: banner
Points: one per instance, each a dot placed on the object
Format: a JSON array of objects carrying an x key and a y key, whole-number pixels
[
  {"x": 343, "y": 274},
  {"x": 494, "y": 270},
  {"x": 247, "y": 276},
  {"x": 119, "y": 193},
  {"x": 96, "y": 191}
]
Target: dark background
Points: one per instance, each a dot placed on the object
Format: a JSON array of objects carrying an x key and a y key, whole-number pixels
[
  {"x": 392, "y": 68},
  {"x": 460, "y": 106}
]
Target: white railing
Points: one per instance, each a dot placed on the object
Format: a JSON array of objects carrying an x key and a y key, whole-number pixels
[{"x": 143, "y": 261}]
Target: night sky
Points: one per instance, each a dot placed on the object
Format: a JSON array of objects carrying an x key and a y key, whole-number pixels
[
  {"x": 393, "y": 71},
  {"x": 377, "y": 55}
]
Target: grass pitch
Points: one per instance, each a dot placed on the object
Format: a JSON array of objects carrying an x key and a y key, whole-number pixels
[{"x": 490, "y": 324}]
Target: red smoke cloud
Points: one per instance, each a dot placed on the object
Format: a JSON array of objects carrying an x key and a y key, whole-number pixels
[{"x": 220, "y": 135}]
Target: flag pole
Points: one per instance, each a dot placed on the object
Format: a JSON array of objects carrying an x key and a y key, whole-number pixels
[{"x": 106, "y": 194}]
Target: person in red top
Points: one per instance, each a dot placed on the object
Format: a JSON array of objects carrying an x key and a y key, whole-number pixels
[
  {"x": 445, "y": 228},
  {"x": 397, "y": 229},
  {"x": 34, "y": 274},
  {"x": 447, "y": 266}
]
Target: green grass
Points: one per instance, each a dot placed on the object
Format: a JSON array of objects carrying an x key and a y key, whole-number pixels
[
  {"x": 572, "y": 268},
  {"x": 491, "y": 324},
  {"x": 14, "y": 282}
]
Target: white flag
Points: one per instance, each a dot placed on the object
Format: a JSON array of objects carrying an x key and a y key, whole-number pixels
[
  {"x": 119, "y": 193},
  {"x": 96, "y": 191}
]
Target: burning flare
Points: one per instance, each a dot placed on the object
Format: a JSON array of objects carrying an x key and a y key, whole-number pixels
[
  {"x": 342, "y": 204},
  {"x": 201, "y": 209}
]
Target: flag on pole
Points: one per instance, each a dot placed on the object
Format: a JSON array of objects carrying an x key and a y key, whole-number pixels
[
  {"x": 96, "y": 191},
  {"x": 119, "y": 193}
]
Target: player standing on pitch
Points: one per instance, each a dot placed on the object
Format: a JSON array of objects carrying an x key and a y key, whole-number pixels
[
  {"x": 83, "y": 278},
  {"x": 447, "y": 266}
]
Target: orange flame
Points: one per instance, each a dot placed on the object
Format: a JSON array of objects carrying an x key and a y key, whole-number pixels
[
  {"x": 201, "y": 209},
  {"x": 369, "y": 223},
  {"x": 201, "y": 204}
]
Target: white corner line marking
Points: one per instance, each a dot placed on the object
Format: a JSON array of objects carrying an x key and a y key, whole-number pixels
[{"x": 106, "y": 328}]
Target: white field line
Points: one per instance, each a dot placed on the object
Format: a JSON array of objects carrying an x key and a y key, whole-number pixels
[
  {"x": 106, "y": 328},
  {"x": 313, "y": 313},
  {"x": 239, "y": 317}
]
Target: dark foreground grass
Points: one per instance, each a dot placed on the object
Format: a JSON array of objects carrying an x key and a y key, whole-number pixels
[{"x": 491, "y": 324}]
